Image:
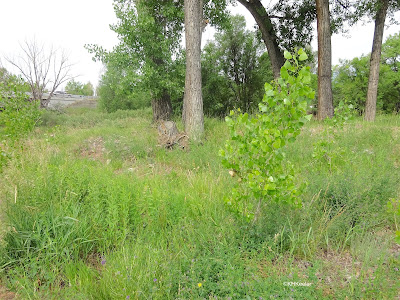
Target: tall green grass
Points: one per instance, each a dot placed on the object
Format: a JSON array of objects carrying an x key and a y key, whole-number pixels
[{"x": 94, "y": 209}]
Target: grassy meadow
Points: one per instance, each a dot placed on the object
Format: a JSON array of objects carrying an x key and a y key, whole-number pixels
[{"x": 93, "y": 208}]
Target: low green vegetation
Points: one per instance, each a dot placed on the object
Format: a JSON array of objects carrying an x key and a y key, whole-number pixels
[
  {"x": 94, "y": 209},
  {"x": 18, "y": 117}
]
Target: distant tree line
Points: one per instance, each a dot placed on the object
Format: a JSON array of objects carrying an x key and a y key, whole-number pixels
[{"x": 77, "y": 88}]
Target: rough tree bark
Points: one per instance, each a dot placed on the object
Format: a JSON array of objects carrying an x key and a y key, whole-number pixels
[
  {"x": 373, "y": 79},
  {"x": 162, "y": 108},
  {"x": 192, "y": 116},
  {"x": 325, "y": 98},
  {"x": 263, "y": 21}
]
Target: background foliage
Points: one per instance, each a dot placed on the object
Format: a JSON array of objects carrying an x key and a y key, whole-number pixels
[
  {"x": 77, "y": 88},
  {"x": 350, "y": 79},
  {"x": 235, "y": 67}
]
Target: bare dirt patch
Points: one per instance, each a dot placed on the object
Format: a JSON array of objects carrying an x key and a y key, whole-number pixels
[
  {"x": 339, "y": 268},
  {"x": 93, "y": 149},
  {"x": 5, "y": 294},
  {"x": 395, "y": 251}
]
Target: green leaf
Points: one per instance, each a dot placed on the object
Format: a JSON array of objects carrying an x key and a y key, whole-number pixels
[
  {"x": 277, "y": 144},
  {"x": 287, "y": 65},
  {"x": 303, "y": 56},
  {"x": 269, "y": 93},
  {"x": 263, "y": 107},
  {"x": 284, "y": 73},
  {"x": 287, "y": 55}
]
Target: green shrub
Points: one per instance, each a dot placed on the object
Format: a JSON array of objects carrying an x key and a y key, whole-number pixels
[
  {"x": 112, "y": 99},
  {"x": 255, "y": 153},
  {"x": 18, "y": 115}
]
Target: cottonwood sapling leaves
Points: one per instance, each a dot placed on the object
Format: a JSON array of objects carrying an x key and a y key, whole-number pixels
[{"x": 256, "y": 149}]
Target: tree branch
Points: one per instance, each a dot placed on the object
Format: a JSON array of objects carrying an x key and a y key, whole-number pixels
[{"x": 42, "y": 69}]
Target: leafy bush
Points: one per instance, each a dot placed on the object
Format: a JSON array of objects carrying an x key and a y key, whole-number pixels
[
  {"x": 78, "y": 88},
  {"x": 118, "y": 94},
  {"x": 256, "y": 153},
  {"x": 18, "y": 116}
]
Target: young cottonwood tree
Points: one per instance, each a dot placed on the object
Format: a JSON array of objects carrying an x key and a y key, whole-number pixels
[
  {"x": 43, "y": 69},
  {"x": 193, "y": 116}
]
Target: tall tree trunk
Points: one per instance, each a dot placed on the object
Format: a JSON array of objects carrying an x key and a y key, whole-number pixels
[
  {"x": 373, "y": 79},
  {"x": 263, "y": 21},
  {"x": 162, "y": 108},
  {"x": 193, "y": 117},
  {"x": 325, "y": 98}
]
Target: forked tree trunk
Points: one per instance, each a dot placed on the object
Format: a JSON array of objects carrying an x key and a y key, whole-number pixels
[
  {"x": 325, "y": 98},
  {"x": 162, "y": 108},
  {"x": 373, "y": 79},
  {"x": 192, "y": 115},
  {"x": 44, "y": 103},
  {"x": 263, "y": 21}
]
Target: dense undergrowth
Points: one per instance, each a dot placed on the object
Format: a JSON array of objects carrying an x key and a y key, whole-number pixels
[{"x": 94, "y": 209}]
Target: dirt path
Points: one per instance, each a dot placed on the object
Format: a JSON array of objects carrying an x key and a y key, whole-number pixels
[{"x": 5, "y": 294}]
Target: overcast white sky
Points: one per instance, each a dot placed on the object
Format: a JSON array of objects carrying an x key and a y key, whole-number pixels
[{"x": 72, "y": 24}]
